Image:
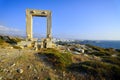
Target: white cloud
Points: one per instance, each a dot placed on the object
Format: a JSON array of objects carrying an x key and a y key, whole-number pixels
[
  {"x": 10, "y": 31},
  {"x": 4, "y": 28}
]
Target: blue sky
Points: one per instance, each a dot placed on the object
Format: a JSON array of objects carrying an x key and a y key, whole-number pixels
[{"x": 75, "y": 19}]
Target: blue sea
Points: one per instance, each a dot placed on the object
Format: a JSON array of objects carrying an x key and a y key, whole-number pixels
[{"x": 103, "y": 43}]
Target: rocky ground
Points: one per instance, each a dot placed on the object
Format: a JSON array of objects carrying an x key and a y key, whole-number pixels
[
  {"x": 59, "y": 63},
  {"x": 27, "y": 64},
  {"x": 18, "y": 64}
]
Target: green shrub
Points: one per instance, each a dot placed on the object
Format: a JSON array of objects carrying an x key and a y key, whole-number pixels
[
  {"x": 17, "y": 47},
  {"x": 10, "y": 40},
  {"x": 118, "y": 50},
  {"x": 1, "y": 41},
  {"x": 96, "y": 48},
  {"x": 100, "y": 54},
  {"x": 59, "y": 60},
  {"x": 112, "y": 60},
  {"x": 97, "y": 69}
]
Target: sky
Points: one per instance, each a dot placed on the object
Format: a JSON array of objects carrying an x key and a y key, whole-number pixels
[{"x": 73, "y": 19}]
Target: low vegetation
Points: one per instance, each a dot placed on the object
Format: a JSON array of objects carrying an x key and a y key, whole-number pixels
[
  {"x": 112, "y": 60},
  {"x": 100, "y": 54},
  {"x": 59, "y": 60},
  {"x": 10, "y": 40},
  {"x": 1, "y": 41},
  {"x": 98, "y": 51},
  {"x": 96, "y": 48},
  {"x": 106, "y": 67},
  {"x": 99, "y": 70},
  {"x": 17, "y": 47}
]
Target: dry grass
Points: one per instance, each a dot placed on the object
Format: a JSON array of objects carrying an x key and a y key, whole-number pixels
[{"x": 32, "y": 66}]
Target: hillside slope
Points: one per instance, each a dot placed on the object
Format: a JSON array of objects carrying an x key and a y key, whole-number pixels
[{"x": 55, "y": 64}]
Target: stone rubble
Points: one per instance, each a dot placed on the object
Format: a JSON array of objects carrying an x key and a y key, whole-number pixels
[{"x": 20, "y": 70}]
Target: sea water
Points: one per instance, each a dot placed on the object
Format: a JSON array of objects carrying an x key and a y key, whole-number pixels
[{"x": 103, "y": 43}]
